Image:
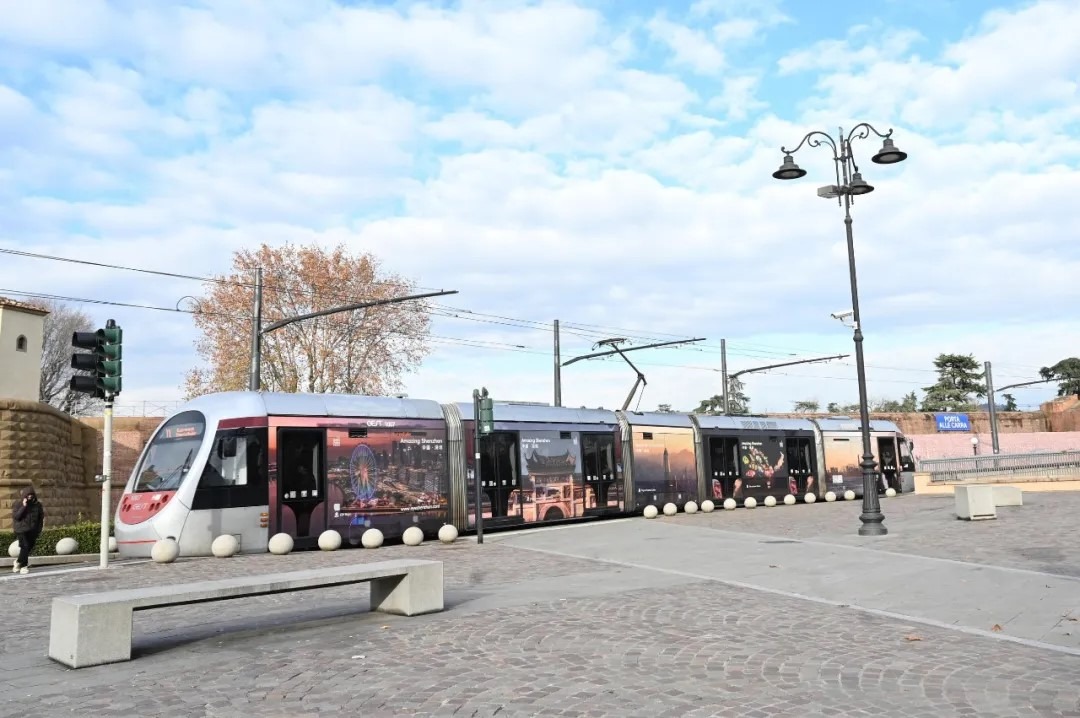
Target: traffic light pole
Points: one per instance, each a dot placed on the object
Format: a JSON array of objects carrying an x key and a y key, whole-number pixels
[
  {"x": 106, "y": 484},
  {"x": 104, "y": 362}
]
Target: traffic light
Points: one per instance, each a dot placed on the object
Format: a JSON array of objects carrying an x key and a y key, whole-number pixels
[
  {"x": 104, "y": 361},
  {"x": 487, "y": 414}
]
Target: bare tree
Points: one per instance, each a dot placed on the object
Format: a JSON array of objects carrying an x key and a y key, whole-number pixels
[
  {"x": 61, "y": 321},
  {"x": 361, "y": 352}
]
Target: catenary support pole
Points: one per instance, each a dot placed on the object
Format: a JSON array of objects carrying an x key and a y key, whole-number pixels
[
  {"x": 476, "y": 458},
  {"x": 255, "y": 374},
  {"x": 723, "y": 371},
  {"x": 993, "y": 409},
  {"x": 106, "y": 484},
  {"x": 558, "y": 367}
]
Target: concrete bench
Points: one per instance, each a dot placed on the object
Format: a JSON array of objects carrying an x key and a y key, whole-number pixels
[{"x": 95, "y": 628}]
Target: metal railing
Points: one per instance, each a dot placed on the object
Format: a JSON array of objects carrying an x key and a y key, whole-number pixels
[{"x": 1045, "y": 464}]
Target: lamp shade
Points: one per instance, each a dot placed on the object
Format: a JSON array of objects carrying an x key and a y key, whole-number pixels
[
  {"x": 789, "y": 170},
  {"x": 889, "y": 154},
  {"x": 859, "y": 185}
]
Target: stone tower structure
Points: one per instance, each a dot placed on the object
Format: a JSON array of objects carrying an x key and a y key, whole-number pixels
[{"x": 22, "y": 329}]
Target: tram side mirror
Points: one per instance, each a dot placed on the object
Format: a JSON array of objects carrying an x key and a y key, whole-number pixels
[{"x": 227, "y": 447}]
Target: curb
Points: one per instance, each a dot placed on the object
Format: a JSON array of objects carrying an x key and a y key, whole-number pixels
[{"x": 59, "y": 560}]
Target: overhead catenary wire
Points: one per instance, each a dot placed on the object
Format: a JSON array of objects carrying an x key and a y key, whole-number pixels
[{"x": 579, "y": 329}]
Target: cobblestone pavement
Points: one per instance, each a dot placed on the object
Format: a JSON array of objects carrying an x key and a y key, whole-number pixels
[
  {"x": 1041, "y": 535},
  {"x": 526, "y": 634}
]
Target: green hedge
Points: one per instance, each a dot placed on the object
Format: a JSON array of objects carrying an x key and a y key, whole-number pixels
[{"x": 87, "y": 533}]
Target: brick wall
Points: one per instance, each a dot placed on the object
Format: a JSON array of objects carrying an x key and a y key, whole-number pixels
[
  {"x": 924, "y": 423},
  {"x": 130, "y": 435},
  {"x": 56, "y": 454}
]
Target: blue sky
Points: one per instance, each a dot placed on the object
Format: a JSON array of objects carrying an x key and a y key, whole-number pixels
[{"x": 603, "y": 163}]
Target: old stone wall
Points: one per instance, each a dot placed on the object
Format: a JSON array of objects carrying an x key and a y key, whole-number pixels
[
  {"x": 1063, "y": 414},
  {"x": 923, "y": 423},
  {"x": 56, "y": 454}
]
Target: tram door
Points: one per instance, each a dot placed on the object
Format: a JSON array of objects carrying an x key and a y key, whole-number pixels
[
  {"x": 598, "y": 468},
  {"x": 500, "y": 477},
  {"x": 800, "y": 461},
  {"x": 888, "y": 474},
  {"x": 724, "y": 466},
  {"x": 301, "y": 499}
]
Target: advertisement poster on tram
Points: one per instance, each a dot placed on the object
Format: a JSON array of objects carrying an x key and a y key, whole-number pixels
[
  {"x": 387, "y": 474},
  {"x": 842, "y": 469},
  {"x": 664, "y": 466},
  {"x": 763, "y": 468},
  {"x": 551, "y": 475}
]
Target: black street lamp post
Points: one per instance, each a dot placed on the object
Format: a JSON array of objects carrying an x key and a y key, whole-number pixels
[{"x": 849, "y": 183}]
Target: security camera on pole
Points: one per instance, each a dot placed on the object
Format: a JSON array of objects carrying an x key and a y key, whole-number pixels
[{"x": 104, "y": 361}]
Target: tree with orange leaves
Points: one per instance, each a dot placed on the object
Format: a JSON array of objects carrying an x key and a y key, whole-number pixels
[{"x": 357, "y": 352}]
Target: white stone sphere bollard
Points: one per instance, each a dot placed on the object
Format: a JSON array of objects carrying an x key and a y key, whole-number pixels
[
  {"x": 750, "y": 503},
  {"x": 770, "y": 501},
  {"x": 691, "y": 507},
  {"x": 809, "y": 498},
  {"x": 830, "y": 496},
  {"x": 225, "y": 546},
  {"x": 165, "y": 551},
  {"x": 66, "y": 546},
  {"x": 670, "y": 509},
  {"x": 650, "y": 512},
  {"x": 849, "y": 495},
  {"x": 730, "y": 504},
  {"x": 372, "y": 538},
  {"x": 13, "y": 549},
  {"x": 112, "y": 544},
  {"x": 448, "y": 533},
  {"x": 280, "y": 544},
  {"x": 329, "y": 540},
  {"x": 890, "y": 492},
  {"x": 413, "y": 536},
  {"x": 789, "y": 500},
  {"x": 707, "y": 506}
]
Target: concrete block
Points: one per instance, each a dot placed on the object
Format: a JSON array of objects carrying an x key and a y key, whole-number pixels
[
  {"x": 82, "y": 635},
  {"x": 1008, "y": 495},
  {"x": 419, "y": 591},
  {"x": 975, "y": 502}
]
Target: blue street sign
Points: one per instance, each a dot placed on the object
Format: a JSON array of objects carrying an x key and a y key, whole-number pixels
[{"x": 952, "y": 422}]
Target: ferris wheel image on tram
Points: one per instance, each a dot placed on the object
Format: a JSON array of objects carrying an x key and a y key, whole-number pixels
[{"x": 363, "y": 473}]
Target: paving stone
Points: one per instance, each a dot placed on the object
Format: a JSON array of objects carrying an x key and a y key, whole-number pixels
[{"x": 695, "y": 648}]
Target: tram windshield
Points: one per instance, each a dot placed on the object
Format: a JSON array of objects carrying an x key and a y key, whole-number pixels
[{"x": 171, "y": 452}]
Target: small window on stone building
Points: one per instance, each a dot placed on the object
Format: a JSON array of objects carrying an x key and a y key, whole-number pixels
[{"x": 20, "y": 344}]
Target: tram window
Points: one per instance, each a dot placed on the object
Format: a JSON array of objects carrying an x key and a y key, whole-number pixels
[
  {"x": 171, "y": 453},
  {"x": 233, "y": 460}
]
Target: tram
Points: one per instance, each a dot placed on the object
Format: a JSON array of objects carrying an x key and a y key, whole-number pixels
[{"x": 253, "y": 464}]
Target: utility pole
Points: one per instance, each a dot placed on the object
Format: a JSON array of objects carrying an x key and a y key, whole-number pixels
[
  {"x": 723, "y": 370},
  {"x": 993, "y": 409},
  {"x": 255, "y": 376},
  {"x": 558, "y": 368}
]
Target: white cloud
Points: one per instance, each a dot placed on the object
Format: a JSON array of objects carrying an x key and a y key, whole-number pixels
[{"x": 531, "y": 158}]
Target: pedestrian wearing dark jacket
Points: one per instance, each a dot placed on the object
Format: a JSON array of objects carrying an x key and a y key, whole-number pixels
[{"x": 28, "y": 518}]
